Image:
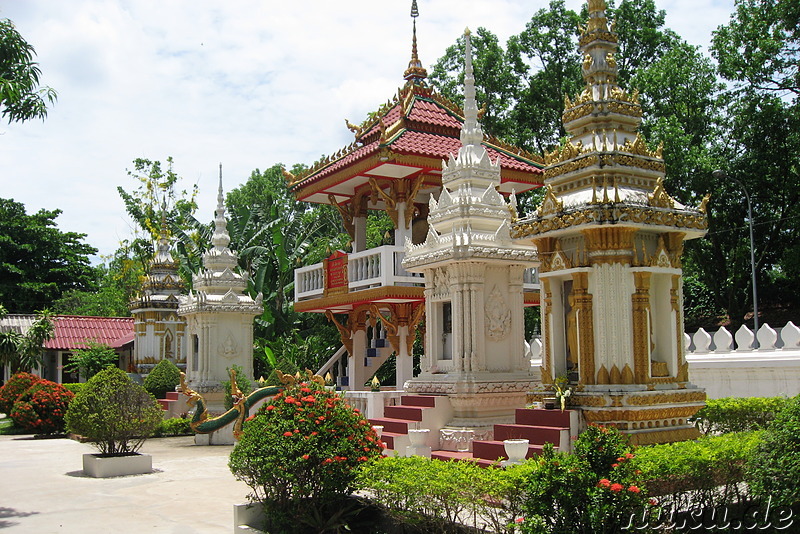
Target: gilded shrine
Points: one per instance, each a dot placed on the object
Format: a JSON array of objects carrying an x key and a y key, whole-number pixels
[{"x": 610, "y": 240}]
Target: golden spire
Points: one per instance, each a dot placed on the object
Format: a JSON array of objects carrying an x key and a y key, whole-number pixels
[{"x": 415, "y": 73}]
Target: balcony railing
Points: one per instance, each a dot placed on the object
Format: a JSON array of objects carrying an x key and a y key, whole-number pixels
[{"x": 376, "y": 267}]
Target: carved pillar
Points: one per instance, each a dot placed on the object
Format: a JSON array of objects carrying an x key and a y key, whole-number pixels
[
  {"x": 547, "y": 320},
  {"x": 641, "y": 327},
  {"x": 582, "y": 302}
]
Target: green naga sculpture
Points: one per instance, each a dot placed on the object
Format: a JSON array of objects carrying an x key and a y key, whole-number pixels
[{"x": 203, "y": 424}]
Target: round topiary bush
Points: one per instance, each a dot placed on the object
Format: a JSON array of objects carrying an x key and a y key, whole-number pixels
[
  {"x": 113, "y": 412},
  {"x": 164, "y": 377},
  {"x": 300, "y": 454},
  {"x": 16, "y": 386},
  {"x": 42, "y": 407}
]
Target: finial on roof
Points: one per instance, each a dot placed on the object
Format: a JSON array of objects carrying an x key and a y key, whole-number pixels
[
  {"x": 415, "y": 73},
  {"x": 221, "y": 239},
  {"x": 471, "y": 132}
]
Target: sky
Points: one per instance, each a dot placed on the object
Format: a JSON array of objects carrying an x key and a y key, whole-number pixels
[{"x": 245, "y": 83}]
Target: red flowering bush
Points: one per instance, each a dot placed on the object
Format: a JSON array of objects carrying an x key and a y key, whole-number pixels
[
  {"x": 42, "y": 407},
  {"x": 596, "y": 489},
  {"x": 16, "y": 386},
  {"x": 300, "y": 455}
]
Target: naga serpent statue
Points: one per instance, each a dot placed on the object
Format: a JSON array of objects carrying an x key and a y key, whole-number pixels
[{"x": 202, "y": 423}]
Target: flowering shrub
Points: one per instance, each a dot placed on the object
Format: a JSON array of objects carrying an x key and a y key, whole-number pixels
[
  {"x": 593, "y": 490},
  {"x": 42, "y": 407},
  {"x": 16, "y": 386},
  {"x": 300, "y": 454}
]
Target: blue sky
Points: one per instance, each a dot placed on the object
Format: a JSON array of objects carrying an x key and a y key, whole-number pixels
[{"x": 248, "y": 83}]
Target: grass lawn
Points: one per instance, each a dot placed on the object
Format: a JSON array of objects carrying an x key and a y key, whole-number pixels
[{"x": 7, "y": 427}]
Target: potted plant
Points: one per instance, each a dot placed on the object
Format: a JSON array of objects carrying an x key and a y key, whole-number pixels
[
  {"x": 563, "y": 391},
  {"x": 117, "y": 416}
]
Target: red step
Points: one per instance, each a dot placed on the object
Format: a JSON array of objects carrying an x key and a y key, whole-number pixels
[
  {"x": 173, "y": 395},
  {"x": 165, "y": 403},
  {"x": 454, "y": 456},
  {"x": 428, "y": 401},
  {"x": 388, "y": 438},
  {"x": 541, "y": 417},
  {"x": 410, "y": 413},
  {"x": 397, "y": 426},
  {"x": 537, "y": 435},
  {"x": 492, "y": 450}
]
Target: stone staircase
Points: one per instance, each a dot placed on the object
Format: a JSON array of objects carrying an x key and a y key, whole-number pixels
[
  {"x": 174, "y": 404},
  {"x": 536, "y": 425},
  {"x": 414, "y": 412}
]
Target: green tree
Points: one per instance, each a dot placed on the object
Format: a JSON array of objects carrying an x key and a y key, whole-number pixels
[
  {"x": 118, "y": 281},
  {"x": 758, "y": 53},
  {"x": 158, "y": 199},
  {"x": 21, "y": 97},
  {"x": 39, "y": 262},
  {"x": 91, "y": 360},
  {"x": 22, "y": 352}
]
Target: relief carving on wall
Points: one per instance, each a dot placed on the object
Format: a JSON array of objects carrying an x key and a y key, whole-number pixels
[{"x": 498, "y": 316}]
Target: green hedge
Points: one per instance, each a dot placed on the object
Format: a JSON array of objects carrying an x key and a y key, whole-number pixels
[
  {"x": 732, "y": 414},
  {"x": 175, "y": 426}
]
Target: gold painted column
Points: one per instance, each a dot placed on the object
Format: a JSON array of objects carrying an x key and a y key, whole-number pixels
[{"x": 641, "y": 327}]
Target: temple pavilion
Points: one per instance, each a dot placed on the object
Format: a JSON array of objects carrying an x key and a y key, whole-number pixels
[{"x": 394, "y": 165}]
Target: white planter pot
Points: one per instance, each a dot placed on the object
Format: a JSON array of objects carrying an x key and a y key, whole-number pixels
[
  {"x": 516, "y": 449},
  {"x": 97, "y": 466},
  {"x": 248, "y": 518}
]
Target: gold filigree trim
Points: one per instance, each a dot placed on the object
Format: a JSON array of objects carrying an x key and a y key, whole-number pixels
[
  {"x": 660, "y": 198},
  {"x": 550, "y": 204}
]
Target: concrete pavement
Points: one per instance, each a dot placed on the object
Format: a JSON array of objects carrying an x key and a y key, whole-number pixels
[{"x": 43, "y": 489}]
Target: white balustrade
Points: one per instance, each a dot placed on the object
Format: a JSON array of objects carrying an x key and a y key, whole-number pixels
[
  {"x": 309, "y": 282},
  {"x": 726, "y": 369}
]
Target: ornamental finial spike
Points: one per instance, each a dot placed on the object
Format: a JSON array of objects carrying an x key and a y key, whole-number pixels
[
  {"x": 415, "y": 73},
  {"x": 471, "y": 132}
]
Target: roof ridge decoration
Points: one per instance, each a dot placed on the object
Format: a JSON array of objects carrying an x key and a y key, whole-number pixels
[{"x": 415, "y": 74}]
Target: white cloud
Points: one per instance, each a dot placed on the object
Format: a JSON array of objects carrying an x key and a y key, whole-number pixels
[{"x": 248, "y": 83}]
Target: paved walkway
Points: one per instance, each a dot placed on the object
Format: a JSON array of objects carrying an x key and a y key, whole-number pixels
[{"x": 43, "y": 489}]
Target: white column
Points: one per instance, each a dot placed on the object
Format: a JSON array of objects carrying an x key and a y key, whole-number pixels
[
  {"x": 355, "y": 363},
  {"x": 404, "y": 362},
  {"x": 402, "y": 230}
]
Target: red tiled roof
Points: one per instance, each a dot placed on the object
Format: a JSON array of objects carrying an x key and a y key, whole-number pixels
[
  {"x": 431, "y": 128},
  {"x": 73, "y": 331},
  {"x": 431, "y": 113}
]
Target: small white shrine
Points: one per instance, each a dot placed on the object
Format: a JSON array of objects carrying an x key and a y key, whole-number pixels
[
  {"x": 219, "y": 315},
  {"x": 159, "y": 332},
  {"x": 473, "y": 287}
]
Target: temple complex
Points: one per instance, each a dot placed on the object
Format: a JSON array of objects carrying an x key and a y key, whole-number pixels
[
  {"x": 610, "y": 240},
  {"x": 219, "y": 315},
  {"x": 394, "y": 165},
  {"x": 159, "y": 332}
]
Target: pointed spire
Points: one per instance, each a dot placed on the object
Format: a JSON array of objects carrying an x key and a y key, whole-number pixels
[
  {"x": 471, "y": 132},
  {"x": 162, "y": 254},
  {"x": 221, "y": 239},
  {"x": 415, "y": 74}
]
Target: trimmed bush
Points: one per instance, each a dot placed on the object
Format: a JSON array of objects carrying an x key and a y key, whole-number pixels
[
  {"x": 164, "y": 377},
  {"x": 16, "y": 386},
  {"x": 176, "y": 426},
  {"x": 435, "y": 496},
  {"x": 113, "y": 412},
  {"x": 300, "y": 455},
  {"x": 41, "y": 409},
  {"x": 734, "y": 414},
  {"x": 774, "y": 469}
]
